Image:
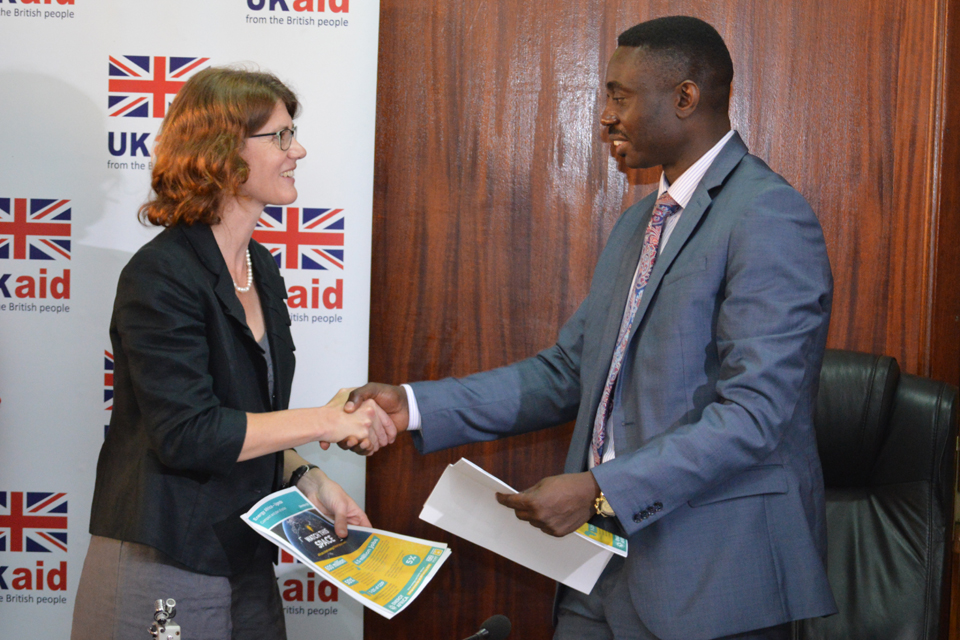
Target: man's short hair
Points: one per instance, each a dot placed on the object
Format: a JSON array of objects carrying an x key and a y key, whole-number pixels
[{"x": 693, "y": 50}]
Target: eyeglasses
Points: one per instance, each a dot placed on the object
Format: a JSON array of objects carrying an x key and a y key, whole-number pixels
[{"x": 284, "y": 137}]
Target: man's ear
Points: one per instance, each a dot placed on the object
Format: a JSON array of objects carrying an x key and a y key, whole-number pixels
[{"x": 687, "y": 95}]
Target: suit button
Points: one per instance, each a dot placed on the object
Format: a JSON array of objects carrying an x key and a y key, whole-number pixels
[
  {"x": 657, "y": 506},
  {"x": 636, "y": 518}
]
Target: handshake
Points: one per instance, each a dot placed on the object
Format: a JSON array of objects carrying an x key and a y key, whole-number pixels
[
  {"x": 372, "y": 415},
  {"x": 366, "y": 418}
]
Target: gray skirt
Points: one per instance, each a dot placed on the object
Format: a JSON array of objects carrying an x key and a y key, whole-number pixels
[{"x": 121, "y": 581}]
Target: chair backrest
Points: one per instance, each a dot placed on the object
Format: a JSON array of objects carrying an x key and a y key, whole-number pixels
[{"x": 887, "y": 442}]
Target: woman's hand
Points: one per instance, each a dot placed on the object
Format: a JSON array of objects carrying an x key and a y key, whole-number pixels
[
  {"x": 332, "y": 501},
  {"x": 364, "y": 430}
]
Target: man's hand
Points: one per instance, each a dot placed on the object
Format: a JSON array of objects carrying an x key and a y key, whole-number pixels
[
  {"x": 390, "y": 398},
  {"x": 557, "y": 505}
]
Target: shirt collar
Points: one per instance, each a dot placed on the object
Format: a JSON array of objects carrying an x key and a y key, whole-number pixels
[{"x": 683, "y": 187}]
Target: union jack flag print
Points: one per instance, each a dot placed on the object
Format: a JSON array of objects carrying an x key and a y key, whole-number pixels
[
  {"x": 304, "y": 238},
  {"x": 141, "y": 85},
  {"x": 31, "y": 521},
  {"x": 107, "y": 380},
  {"x": 34, "y": 229}
]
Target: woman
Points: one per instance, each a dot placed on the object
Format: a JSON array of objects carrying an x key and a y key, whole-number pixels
[{"x": 203, "y": 367}]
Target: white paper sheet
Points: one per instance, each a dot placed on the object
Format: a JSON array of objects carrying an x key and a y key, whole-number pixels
[{"x": 464, "y": 503}]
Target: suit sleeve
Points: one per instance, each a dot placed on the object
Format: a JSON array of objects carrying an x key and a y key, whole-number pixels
[
  {"x": 159, "y": 325},
  {"x": 770, "y": 331},
  {"x": 536, "y": 393}
]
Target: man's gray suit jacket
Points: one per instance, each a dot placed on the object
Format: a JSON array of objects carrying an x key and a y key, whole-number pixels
[{"x": 716, "y": 479}]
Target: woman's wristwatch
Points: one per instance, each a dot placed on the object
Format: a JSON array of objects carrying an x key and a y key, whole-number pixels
[{"x": 298, "y": 473}]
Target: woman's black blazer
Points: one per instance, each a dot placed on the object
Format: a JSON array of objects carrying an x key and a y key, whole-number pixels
[{"x": 186, "y": 371}]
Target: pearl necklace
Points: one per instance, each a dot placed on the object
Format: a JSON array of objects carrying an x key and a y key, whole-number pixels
[{"x": 249, "y": 276}]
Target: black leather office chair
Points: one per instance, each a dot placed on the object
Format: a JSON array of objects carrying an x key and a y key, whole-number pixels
[{"x": 887, "y": 443}]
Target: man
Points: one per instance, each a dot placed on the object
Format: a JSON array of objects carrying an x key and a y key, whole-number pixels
[{"x": 691, "y": 368}]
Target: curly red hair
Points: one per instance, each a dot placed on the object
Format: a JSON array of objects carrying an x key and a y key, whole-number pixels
[{"x": 197, "y": 156}]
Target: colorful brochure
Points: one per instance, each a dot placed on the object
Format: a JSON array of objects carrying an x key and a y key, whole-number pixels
[
  {"x": 384, "y": 571},
  {"x": 464, "y": 503}
]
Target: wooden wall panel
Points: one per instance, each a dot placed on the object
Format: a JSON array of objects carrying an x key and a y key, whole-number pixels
[
  {"x": 494, "y": 194},
  {"x": 945, "y": 316}
]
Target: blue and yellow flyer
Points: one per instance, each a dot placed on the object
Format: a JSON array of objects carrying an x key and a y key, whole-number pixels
[{"x": 384, "y": 571}]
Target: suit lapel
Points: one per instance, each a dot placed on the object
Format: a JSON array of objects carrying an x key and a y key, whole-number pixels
[
  {"x": 204, "y": 244},
  {"x": 634, "y": 226},
  {"x": 690, "y": 218},
  {"x": 272, "y": 295}
]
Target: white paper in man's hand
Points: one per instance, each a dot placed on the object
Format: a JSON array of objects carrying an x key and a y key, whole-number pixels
[{"x": 464, "y": 503}]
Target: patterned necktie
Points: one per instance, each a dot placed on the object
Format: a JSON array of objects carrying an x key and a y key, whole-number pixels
[{"x": 663, "y": 209}]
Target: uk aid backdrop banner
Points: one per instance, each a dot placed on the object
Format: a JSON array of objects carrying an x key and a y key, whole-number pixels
[{"x": 84, "y": 85}]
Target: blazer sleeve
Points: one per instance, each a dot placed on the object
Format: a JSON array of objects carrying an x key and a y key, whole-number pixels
[
  {"x": 536, "y": 393},
  {"x": 160, "y": 324},
  {"x": 770, "y": 332}
]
